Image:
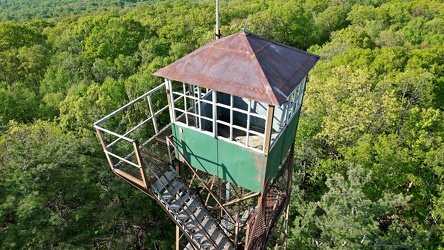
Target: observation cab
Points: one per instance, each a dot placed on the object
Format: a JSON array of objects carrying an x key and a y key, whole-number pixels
[{"x": 235, "y": 104}]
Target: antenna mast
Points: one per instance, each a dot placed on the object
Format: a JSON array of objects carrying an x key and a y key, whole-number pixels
[{"x": 217, "y": 20}]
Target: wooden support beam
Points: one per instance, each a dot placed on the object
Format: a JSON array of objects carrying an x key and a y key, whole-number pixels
[
  {"x": 250, "y": 196},
  {"x": 177, "y": 238},
  {"x": 129, "y": 177},
  {"x": 140, "y": 162},
  {"x": 99, "y": 134}
]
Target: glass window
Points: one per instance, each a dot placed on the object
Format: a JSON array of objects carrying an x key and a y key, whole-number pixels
[
  {"x": 232, "y": 118},
  {"x": 285, "y": 113}
]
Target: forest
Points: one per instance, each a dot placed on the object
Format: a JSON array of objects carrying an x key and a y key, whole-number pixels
[
  {"x": 27, "y": 10},
  {"x": 369, "y": 155}
]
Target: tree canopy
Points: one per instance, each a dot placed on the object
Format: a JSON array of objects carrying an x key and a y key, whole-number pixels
[{"x": 369, "y": 148}]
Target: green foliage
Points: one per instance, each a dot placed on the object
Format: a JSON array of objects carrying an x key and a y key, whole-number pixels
[
  {"x": 54, "y": 195},
  {"x": 369, "y": 152},
  {"x": 288, "y": 23},
  {"x": 24, "y": 10},
  {"x": 107, "y": 37},
  {"x": 15, "y": 35},
  {"x": 82, "y": 108},
  {"x": 374, "y": 101},
  {"x": 344, "y": 217},
  {"x": 17, "y": 102},
  {"x": 22, "y": 54},
  {"x": 35, "y": 159}
]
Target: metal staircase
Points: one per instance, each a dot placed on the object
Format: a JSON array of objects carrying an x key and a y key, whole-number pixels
[
  {"x": 188, "y": 213},
  {"x": 161, "y": 181}
]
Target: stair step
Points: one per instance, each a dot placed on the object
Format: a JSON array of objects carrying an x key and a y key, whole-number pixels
[
  {"x": 189, "y": 246},
  {"x": 206, "y": 245},
  {"x": 221, "y": 241},
  {"x": 211, "y": 234},
  {"x": 179, "y": 202},
  {"x": 203, "y": 227},
  {"x": 167, "y": 196},
  {"x": 171, "y": 191},
  {"x": 214, "y": 233},
  {"x": 190, "y": 213},
  {"x": 195, "y": 218},
  {"x": 190, "y": 207},
  {"x": 181, "y": 199},
  {"x": 163, "y": 181},
  {"x": 175, "y": 187}
]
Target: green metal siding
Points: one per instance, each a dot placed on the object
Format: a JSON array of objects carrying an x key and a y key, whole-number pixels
[
  {"x": 229, "y": 161},
  {"x": 232, "y": 162},
  {"x": 280, "y": 149}
]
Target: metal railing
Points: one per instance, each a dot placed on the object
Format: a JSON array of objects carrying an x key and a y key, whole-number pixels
[{"x": 139, "y": 120}]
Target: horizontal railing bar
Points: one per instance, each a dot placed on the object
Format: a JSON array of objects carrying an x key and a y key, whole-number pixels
[
  {"x": 180, "y": 116},
  {"x": 237, "y": 200},
  {"x": 256, "y": 133},
  {"x": 122, "y": 159},
  {"x": 130, "y": 131},
  {"x": 175, "y": 100},
  {"x": 126, "y": 157},
  {"x": 201, "y": 99},
  {"x": 113, "y": 133},
  {"x": 223, "y": 123},
  {"x": 156, "y": 135},
  {"x": 187, "y": 93},
  {"x": 161, "y": 110},
  {"x": 240, "y": 144},
  {"x": 239, "y": 128},
  {"x": 128, "y": 104},
  {"x": 191, "y": 114}
]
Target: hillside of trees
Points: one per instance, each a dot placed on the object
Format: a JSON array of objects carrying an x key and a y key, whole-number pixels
[
  {"x": 369, "y": 155},
  {"x": 27, "y": 10}
]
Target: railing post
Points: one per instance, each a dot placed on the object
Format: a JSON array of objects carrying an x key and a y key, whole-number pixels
[
  {"x": 247, "y": 138},
  {"x": 99, "y": 134},
  {"x": 136, "y": 144},
  {"x": 168, "y": 149},
  {"x": 150, "y": 105},
  {"x": 185, "y": 106},
  {"x": 170, "y": 99}
]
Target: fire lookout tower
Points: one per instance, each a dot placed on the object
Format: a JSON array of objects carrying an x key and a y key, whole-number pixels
[{"x": 221, "y": 166}]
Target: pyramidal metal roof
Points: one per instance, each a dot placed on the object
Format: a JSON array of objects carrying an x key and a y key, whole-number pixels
[{"x": 244, "y": 65}]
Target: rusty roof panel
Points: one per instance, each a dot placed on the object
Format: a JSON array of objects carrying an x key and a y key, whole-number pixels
[{"x": 244, "y": 65}]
